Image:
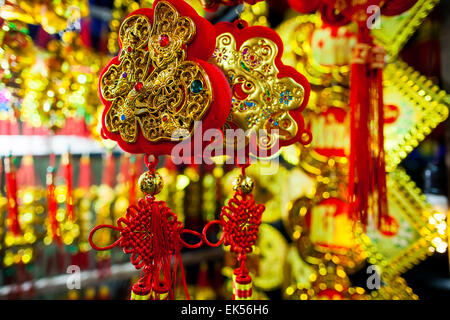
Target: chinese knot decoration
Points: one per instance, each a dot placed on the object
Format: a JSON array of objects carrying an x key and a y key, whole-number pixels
[
  {"x": 267, "y": 96},
  {"x": 154, "y": 92},
  {"x": 240, "y": 220},
  {"x": 267, "y": 100},
  {"x": 151, "y": 233}
]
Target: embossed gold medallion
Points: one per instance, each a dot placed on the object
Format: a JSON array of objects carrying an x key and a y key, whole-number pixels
[
  {"x": 267, "y": 96},
  {"x": 158, "y": 86}
]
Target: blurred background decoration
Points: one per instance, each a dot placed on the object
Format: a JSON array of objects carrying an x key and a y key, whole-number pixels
[{"x": 59, "y": 178}]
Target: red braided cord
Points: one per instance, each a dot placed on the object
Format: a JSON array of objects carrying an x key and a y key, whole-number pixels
[{"x": 205, "y": 230}]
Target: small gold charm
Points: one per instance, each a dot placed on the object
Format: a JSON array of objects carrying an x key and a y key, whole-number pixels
[
  {"x": 151, "y": 183},
  {"x": 243, "y": 183}
]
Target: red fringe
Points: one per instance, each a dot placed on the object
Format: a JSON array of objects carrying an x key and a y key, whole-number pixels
[
  {"x": 69, "y": 183},
  {"x": 11, "y": 193},
  {"x": 52, "y": 203},
  {"x": 367, "y": 175},
  {"x": 84, "y": 179}
]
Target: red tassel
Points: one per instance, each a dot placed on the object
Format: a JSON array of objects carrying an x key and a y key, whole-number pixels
[
  {"x": 84, "y": 179},
  {"x": 67, "y": 162},
  {"x": 367, "y": 175},
  {"x": 52, "y": 203},
  {"x": 109, "y": 170},
  {"x": 25, "y": 175},
  {"x": 151, "y": 233},
  {"x": 11, "y": 193}
]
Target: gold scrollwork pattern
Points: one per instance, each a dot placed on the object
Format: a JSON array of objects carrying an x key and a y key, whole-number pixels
[
  {"x": 154, "y": 87},
  {"x": 260, "y": 100}
]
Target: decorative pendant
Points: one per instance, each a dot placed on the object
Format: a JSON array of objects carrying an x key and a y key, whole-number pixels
[
  {"x": 240, "y": 220},
  {"x": 160, "y": 84},
  {"x": 157, "y": 93},
  {"x": 151, "y": 233},
  {"x": 267, "y": 96}
]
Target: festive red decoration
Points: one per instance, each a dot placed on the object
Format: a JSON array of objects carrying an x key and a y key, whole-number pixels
[
  {"x": 84, "y": 178},
  {"x": 303, "y": 6},
  {"x": 68, "y": 172},
  {"x": 367, "y": 175},
  {"x": 240, "y": 220},
  {"x": 195, "y": 43},
  {"x": 11, "y": 194},
  {"x": 52, "y": 204},
  {"x": 396, "y": 7},
  {"x": 151, "y": 233},
  {"x": 213, "y": 5},
  {"x": 159, "y": 92}
]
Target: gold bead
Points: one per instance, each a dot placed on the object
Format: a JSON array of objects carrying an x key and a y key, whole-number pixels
[
  {"x": 243, "y": 183},
  {"x": 151, "y": 183}
]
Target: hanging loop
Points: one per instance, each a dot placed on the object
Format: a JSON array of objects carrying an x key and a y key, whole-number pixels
[
  {"x": 205, "y": 230},
  {"x": 91, "y": 236}
]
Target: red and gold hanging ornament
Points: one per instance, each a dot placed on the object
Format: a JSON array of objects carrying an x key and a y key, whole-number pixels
[
  {"x": 367, "y": 175},
  {"x": 153, "y": 92},
  {"x": 268, "y": 96},
  {"x": 213, "y": 5},
  {"x": 240, "y": 220},
  {"x": 160, "y": 84},
  {"x": 267, "y": 101}
]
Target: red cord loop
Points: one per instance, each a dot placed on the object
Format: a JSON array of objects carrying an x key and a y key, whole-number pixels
[
  {"x": 91, "y": 236},
  {"x": 151, "y": 164},
  {"x": 205, "y": 230},
  {"x": 191, "y": 246}
]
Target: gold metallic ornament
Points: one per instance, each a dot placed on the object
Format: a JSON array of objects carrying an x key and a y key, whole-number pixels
[
  {"x": 417, "y": 106},
  {"x": 261, "y": 100},
  {"x": 394, "y": 31},
  {"x": 323, "y": 232},
  {"x": 150, "y": 183},
  {"x": 123, "y": 7},
  {"x": 174, "y": 95},
  {"x": 421, "y": 231},
  {"x": 243, "y": 183}
]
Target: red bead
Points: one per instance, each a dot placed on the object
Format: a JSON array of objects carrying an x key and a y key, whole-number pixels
[
  {"x": 129, "y": 49},
  {"x": 164, "y": 40},
  {"x": 138, "y": 86}
]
